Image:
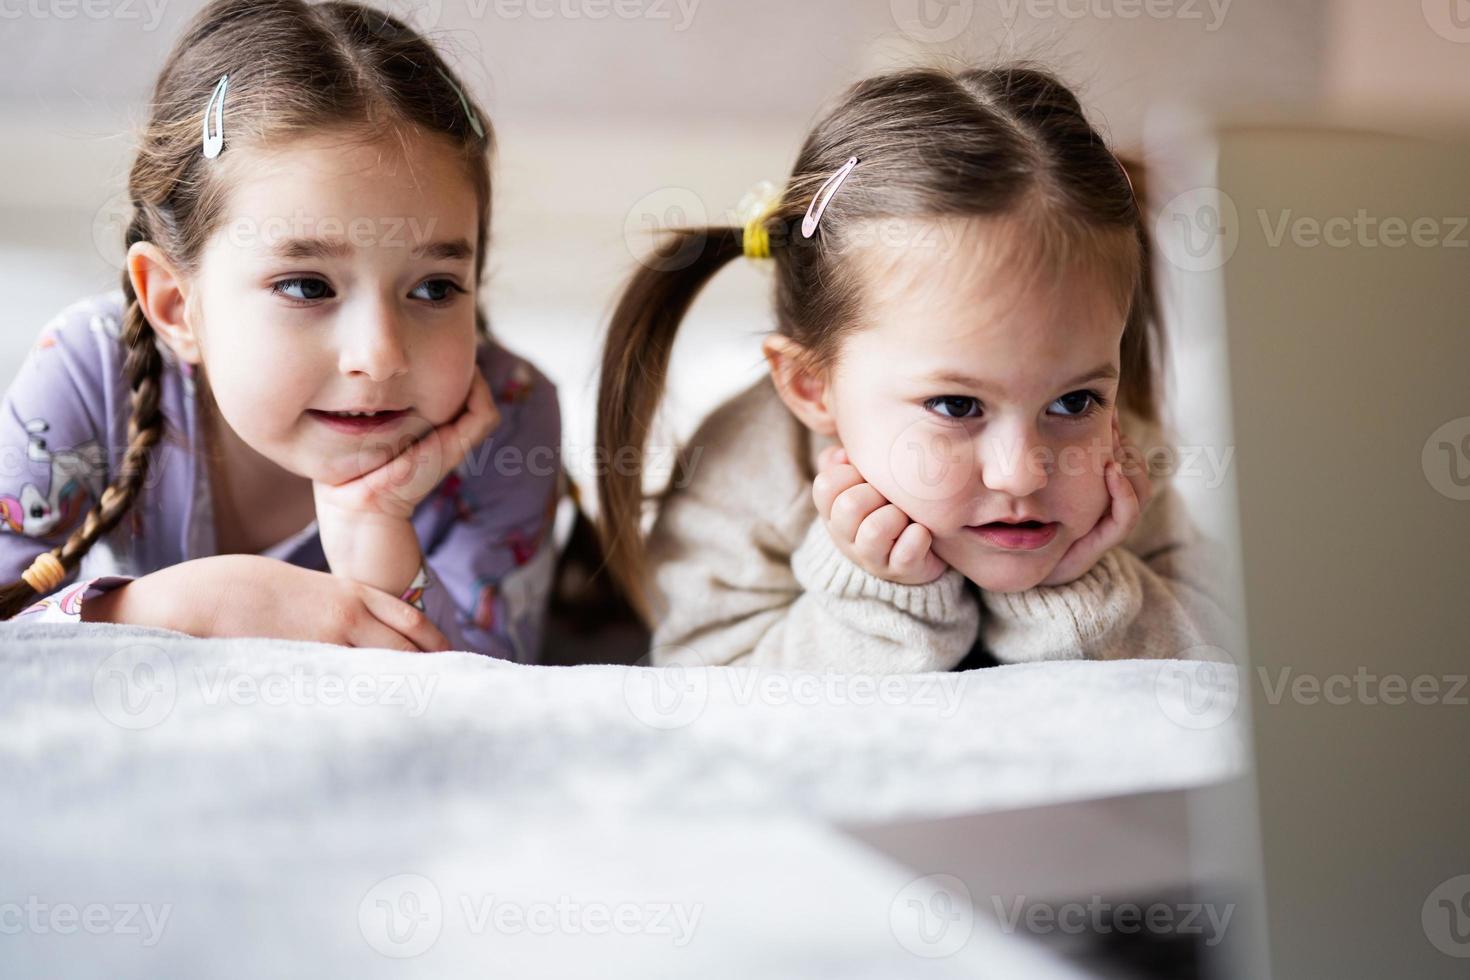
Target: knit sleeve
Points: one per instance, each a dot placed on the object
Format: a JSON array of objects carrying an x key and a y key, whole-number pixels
[{"x": 1150, "y": 598}]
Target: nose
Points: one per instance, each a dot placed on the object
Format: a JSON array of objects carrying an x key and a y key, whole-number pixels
[
  {"x": 372, "y": 344},
  {"x": 1013, "y": 459}
]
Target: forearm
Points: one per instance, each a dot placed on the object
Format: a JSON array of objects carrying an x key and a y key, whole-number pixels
[{"x": 372, "y": 549}]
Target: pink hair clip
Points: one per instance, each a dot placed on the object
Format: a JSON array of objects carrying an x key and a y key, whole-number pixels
[
  {"x": 1128, "y": 177},
  {"x": 214, "y": 142},
  {"x": 824, "y": 194}
]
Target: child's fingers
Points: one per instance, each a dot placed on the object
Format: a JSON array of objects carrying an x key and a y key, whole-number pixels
[
  {"x": 1123, "y": 513},
  {"x": 481, "y": 415},
  {"x": 471, "y": 427},
  {"x": 1142, "y": 486},
  {"x": 877, "y": 533},
  {"x": 405, "y": 620},
  {"x": 373, "y": 635},
  {"x": 831, "y": 483},
  {"x": 1135, "y": 468},
  {"x": 447, "y": 446},
  {"x": 406, "y": 477},
  {"x": 1110, "y": 530},
  {"x": 831, "y": 456},
  {"x": 851, "y": 507},
  {"x": 911, "y": 551}
]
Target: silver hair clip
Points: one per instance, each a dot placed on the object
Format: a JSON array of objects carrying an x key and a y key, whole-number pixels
[
  {"x": 824, "y": 194},
  {"x": 474, "y": 122},
  {"x": 214, "y": 142}
]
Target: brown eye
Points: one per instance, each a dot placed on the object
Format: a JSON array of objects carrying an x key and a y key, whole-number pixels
[
  {"x": 436, "y": 291},
  {"x": 305, "y": 288},
  {"x": 1075, "y": 404},
  {"x": 954, "y": 406}
]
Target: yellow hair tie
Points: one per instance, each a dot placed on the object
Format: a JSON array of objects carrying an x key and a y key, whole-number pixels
[
  {"x": 757, "y": 206},
  {"x": 757, "y": 240},
  {"x": 45, "y": 573}
]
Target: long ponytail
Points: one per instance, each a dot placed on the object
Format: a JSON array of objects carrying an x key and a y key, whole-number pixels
[{"x": 635, "y": 364}]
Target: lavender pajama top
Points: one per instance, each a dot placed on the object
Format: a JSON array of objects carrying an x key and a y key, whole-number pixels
[{"x": 485, "y": 530}]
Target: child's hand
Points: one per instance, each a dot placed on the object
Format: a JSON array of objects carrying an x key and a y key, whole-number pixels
[
  {"x": 873, "y": 533},
  {"x": 393, "y": 485},
  {"x": 364, "y": 524},
  {"x": 251, "y": 595},
  {"x": 1129, "y": 490}
]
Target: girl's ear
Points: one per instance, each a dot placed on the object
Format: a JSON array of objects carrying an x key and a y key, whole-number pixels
[
  {"x": 804, "y": 390},
  {"x": 163, "y": 295}
]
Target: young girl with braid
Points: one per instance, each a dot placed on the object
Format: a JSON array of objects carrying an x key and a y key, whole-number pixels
[
  {"x": 291, "y": 421},
  {"x": 943, "y": 467}
]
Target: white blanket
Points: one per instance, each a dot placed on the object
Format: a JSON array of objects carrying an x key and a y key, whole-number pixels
[{"x": 258, "y": 804}]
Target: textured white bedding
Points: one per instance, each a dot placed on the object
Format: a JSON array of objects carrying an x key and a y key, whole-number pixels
[{"x": 256, "y": 802}]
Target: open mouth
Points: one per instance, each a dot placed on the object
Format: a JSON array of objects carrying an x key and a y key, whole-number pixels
[
  {"x": 357, "y": 421},
  {"x": 1022, "y": 536}
]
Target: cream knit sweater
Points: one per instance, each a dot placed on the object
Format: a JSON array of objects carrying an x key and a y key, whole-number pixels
[{"x": 744, "y": 573}]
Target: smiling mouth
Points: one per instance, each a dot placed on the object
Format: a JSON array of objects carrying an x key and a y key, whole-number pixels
[{"x": 353, "y": 421}]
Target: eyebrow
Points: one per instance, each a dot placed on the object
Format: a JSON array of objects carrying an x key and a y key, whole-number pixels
[
  {"x": 449, "y": 250},
  {"x": 1105, "y": 372},
  {"x": 321, "y": 248}
]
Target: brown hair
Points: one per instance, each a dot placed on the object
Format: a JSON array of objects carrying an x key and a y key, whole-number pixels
[
  {"x": 293, "y": 68},
  {"x": 1004, "y": 142}
]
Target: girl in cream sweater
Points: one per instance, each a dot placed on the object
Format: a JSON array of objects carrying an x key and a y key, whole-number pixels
[{"x": 943, "y": 467}]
